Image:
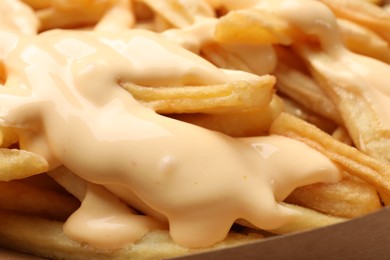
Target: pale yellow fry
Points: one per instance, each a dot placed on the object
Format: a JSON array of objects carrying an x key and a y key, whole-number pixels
[
  {"x": 351, "y": 160},
  {"x": 341, "y": 134},
  {"x": 304, "y": 219},
  {"x": 252, "y": 26},
  {"x": 173, "y": 11},
  {"x": 303, "y": 113},
  {"x": 38, "y": 4},
  {"x": 232, "y": 96},
  {"x": 347, "y": 198},
  {"x": 364, "y": 13},
  {"x": 72, "y": 14},
  {"x": 296, "y": 83},
  {"x": 23, "y": 197},
  {"x": 240, "y": 123},
  {"x": 18, "y": 164},
  {"x": 45, "y": 238},
  {"x": 7, "y": 137},
  {"x": 70, "y": 181},
  {"x": 362, "y": 40},
  {"x": 363, "y": 119},
  {"x": 19, "y": 17}
]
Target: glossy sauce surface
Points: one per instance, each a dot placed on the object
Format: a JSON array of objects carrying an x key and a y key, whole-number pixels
[{"x": 62, "y": 97}]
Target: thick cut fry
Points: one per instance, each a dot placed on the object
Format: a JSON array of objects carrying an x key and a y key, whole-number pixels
[
  {"x": 364, "y": 41},
  {"x": 347, "y": 198},
  {"x": 232, "y": 96},
  {"x": 18, "y": 164},
  {"x": 305, "y": 219},
  {"x": 364, "y": 13},
  {"x": 72, "y": 14},
  {"x": 294, "y": 82},
  {"x": 303, "y": 113},
  {"x": 352, "y": 160},
  {"x": 238, "y": 124},
  {"x": 45, "y": 238},
  {"x": 7, "y": 137},
  {"x": 25, "y": 198},
  {"x": 252, "y": 26},
  {"x": 356, "y": 97}
]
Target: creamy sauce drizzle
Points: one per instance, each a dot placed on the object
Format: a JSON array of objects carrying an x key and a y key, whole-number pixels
[
  {"x": 62, "y": 96},
  {"x": 360, "y": 74}
]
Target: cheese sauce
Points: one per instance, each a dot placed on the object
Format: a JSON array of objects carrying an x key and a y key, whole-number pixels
[{"x": 63, "y": 98}]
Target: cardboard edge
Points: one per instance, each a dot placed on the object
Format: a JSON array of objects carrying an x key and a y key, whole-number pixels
[{"x": 366, "y": 237}]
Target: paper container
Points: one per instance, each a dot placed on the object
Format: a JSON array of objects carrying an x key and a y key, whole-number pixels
[{"x": 367, "y": 237}]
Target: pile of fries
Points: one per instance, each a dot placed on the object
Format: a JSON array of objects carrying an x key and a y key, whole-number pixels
[{"x": 332, "y": 96}]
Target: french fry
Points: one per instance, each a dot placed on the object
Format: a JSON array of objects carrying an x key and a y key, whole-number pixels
[
  {"x": 362, "y": 40},
  {"x": 364, "y": 13},
  {"x": 364, "y": 120},
  {"x": 45, "y": 238},
  {"x": 72, "y": 14},
  {"x": 295, "y": 82},
  {"x": 18, "y": 164},
  {"x": 7, "y": 137},
  {"x": 23, "y": 197},
  {"x": 348, "y": 198},
  {"x": 352, "y": 160},
  {"x": 304, "y": 219},
  {"x": 173, "y": 11},
  {"x": 252, "y": 26},
  {"x": 232, "y": 96},
  {"x": 341, "y": 134},
  {"x": 293, "y": 108},
  {"x": 238, "y": 124}
]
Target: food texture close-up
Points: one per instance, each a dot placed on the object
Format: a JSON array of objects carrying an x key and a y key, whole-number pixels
[{"x": 154, "y": 129}]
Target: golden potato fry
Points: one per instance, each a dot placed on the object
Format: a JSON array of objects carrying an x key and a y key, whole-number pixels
[
  {"x": 72, "y": 14},
  {"x": 362, "y": 40},
  {"x": 252, "y": 26},
  {"x": 256, "y": 59},
  {"x": 173, "y": 11},
  {"x": 351, "y": 160},
  {"x": 341, "y": 134},
  {"x": 25, "y": 198},
  {"x": 353, "y": 84},
  {"x": 294, "y": 82},
  {"x": 45, "y": 238},
  {"x": 238, "y": 124},
  {"x": 19, "y": 17},
  {"x": 305, "y": 219},
  {"x": 347, "y": 198},
  {"x": 38, "y": 4},
  {"x": 7, "y": 137},
  {"x": 232, "y": 96},
  {"x": 364, "y": 13},
  {"x": 293, "y": 108},
  {"x": 110, "y": 21},
  {"x": 70, "y": 181},
  {"x": 18, "y": 164}
]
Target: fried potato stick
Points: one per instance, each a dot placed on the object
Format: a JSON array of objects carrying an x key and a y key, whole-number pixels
[
  {"x": 252, "y": 26},
  {"x": 240, "y": 123},
  {"x": 351, "y": 160},
  {"x": 364, "y": 13},
  {"x": 18, "y": 164},
  {"x": 305, "y": 219},
  {"x": 296, "y": 83},
  {"x": 348, "y": 198},
  {"x": 45, "y": 238},
  {"x": 232, "y": 96},
  {"x": 362, "y": 40},
  {"x": 25, "y": 198},
  {"x": 364, "y": 119}
]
